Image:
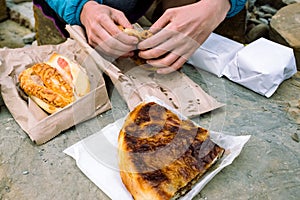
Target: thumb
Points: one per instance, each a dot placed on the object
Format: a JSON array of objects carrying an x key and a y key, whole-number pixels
[
  {"x": 163, "y": 21},
  {"x": 121, "y": 19}
]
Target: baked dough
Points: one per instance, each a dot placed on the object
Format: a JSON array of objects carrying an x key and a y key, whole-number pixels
[
  {"x": 54, "y": 84},
  {"x": 161, "y": 156},
  {"x": 43, "y": 82},
  {"x": 72, "y": 72},
  {"x": 141, "y": 35}
]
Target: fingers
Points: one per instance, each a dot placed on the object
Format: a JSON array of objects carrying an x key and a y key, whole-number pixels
[
  {"x": 163, "y": 21},
  {"x": 171, "y": 62},
  {"x": 107, "y": 50},
  {"x": 103, "y": 33},
  {"x": 177, "y": 44},
  {"x": 112, "y": 29},
  {"x": 117, "y": 45},
  {"x": 170, "y": 55},
  {"x": 103, "y": 41},
  {"x": 173, "y": 43},
  {"x": 120, "y": 19},
  {"x": 156, "y": 39}
]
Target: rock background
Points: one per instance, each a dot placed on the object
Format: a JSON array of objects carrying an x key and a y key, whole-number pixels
[
  {"x": 285, "y": 28},
  {"x": 3, "y": 11},
  {"x": 18, "y": 24}
]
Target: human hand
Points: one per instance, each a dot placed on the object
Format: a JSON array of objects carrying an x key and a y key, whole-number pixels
[
  {"x": 103, "y": 34},
  {"x": 180, "y": 31}
]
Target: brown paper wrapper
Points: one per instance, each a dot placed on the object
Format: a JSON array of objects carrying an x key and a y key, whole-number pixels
[
  {"x": 40, "y": 126},
  {"x": 135, "y": 83},
  {"x": 175, "y": 89}
]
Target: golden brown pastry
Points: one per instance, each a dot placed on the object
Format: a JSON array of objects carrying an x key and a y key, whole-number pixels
[
  {"x": 54, "y": 84},
  {"x": 72, "y": 72},
  {"x": 141, "y": 34},
  {"x": 161, "y": 156}
]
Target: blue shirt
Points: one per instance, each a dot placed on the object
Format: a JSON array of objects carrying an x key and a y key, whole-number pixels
[
  {"x": 70, "y": 10},
  {"x": 236, "y": 7}
]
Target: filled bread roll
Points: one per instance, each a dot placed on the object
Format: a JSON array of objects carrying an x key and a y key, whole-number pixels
[
  {"x": 72, "y": 72},
  {"x": 54, "y": 84}
]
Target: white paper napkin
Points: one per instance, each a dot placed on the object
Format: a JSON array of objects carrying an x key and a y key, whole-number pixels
[{"x": 96, "y": 156}]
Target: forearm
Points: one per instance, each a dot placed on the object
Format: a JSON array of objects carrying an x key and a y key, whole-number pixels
[
  {"x": 69, "y": 10},
  {"x": 231, "y": 7},
  {"x": 216, "y": 9}
]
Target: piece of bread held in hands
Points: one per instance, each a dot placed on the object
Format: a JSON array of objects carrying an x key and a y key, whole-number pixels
[
  {"x": 54, "y": 84},
  {"x": 137, "y": 32},
  {"x": 141, "y": 35}
]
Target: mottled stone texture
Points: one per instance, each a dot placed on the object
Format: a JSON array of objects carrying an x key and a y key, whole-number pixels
[
  {"x": 234, "y": 28},
  {"x": 46, "y": 31},
  {"x": 285, "y": 28},
  {"x": 274, "y": 3},
  {"x": 267, "y": 168},
  {"x": 3, "y": 10}
]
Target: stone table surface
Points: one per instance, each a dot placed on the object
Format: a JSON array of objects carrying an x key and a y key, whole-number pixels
[{"x": 267, "y": 168}]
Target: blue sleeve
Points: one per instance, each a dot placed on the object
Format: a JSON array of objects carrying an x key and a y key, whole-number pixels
[
  {"x": 236, "y": 7},
  {"x": 69, "y": 10}
]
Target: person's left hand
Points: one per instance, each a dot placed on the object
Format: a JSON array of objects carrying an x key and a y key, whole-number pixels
[{"x": 180, "y": 31}]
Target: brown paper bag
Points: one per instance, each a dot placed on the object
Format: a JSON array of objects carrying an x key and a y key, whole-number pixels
[
  {"x": 134, "y": 83},
  {"x": 40, "y": 126},
  {"x": 175, "y": 89}
]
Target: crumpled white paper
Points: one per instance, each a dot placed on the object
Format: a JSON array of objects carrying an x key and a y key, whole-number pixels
[
  {"x": 96, "y": 156},
  {"x": 215, "y": 53},
  {"x": 262, "y": 66}
]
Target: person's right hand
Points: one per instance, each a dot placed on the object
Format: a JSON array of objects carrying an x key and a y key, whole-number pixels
[{"x": 103, "y": 34}]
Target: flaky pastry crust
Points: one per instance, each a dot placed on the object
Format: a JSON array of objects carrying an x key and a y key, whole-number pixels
[
  {"x": 140, "y": 34},
  {"x": 161, "y": 156},
  {"x": 44, "y": 82}
]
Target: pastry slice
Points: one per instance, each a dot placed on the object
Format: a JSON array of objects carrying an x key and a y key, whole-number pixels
[{"x": 162, "y": 156}]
